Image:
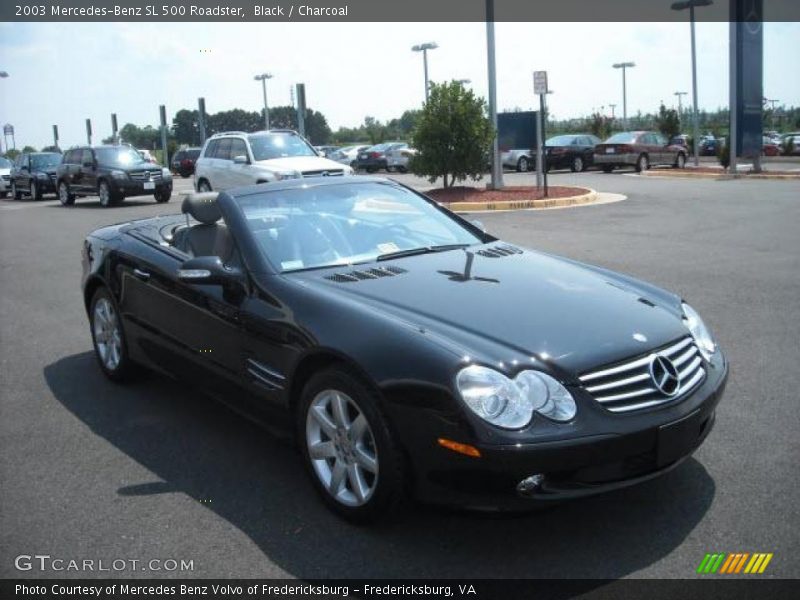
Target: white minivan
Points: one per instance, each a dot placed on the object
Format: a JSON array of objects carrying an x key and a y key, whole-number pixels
[{"x": 235, "y": 158}]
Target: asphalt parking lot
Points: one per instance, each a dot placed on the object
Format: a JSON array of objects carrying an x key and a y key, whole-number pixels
[{"x": 155, "y": 471}]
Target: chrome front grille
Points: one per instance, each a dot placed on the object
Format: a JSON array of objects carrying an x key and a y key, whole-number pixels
[
  {"x": 6, "y": 177},
  {"x": 628, "y": 386},
  {"x": 153, "y": 175},
  {"x": 324, "y": 173}
]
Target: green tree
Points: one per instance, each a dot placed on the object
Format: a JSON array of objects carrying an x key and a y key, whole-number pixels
[
  {"x": 186, "y": 128},
  {"x": 668, "y": 121},
  {"x": 12, "y": 154},
  {"x": 285, "y": 117},
  {"x": 453, "y": 135},
  {"x": 51, "y": 149},
  {"x": 600, "y": 125},
  {"x": 29, "y": 149}
]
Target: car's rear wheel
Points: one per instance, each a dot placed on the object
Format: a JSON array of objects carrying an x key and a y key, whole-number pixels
[
  {"x": 577, "y": 164},
  {"x": 64, "y": 195},
  {"x": 608, "y": 168},
  {"x": 36, "y": 193},
  {"x": 522, "y": 164},
  {"x": 15, "y": 193},
  {"x": 203, "y": 186},
  {"x": 348, "y": 447},
  {"x": 162, "y": 196},
  {"x": 642, "y": 163},
  {"x": 680, "y": 161},
  {"x": 108, "y": 337}
]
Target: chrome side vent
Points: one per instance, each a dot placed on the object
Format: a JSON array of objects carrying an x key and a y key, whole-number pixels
[
  {"x": 499, "y": 251},
  {"x": 361, "y": 275}
]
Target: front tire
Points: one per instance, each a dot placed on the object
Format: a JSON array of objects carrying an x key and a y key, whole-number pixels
[
  {"x": 64, "y": 196},
  {"x": 36, "y": 193},
  {"x": 522, "y": 165},
  {"x": 15, "y": 191},
  {"x": 203, "y": 186},
  {"x": 642, "y": 163},
  {"x": 348, "y": 448},
  {"x": 107, "y": 197},
  {"x": 162, "y": 196},
  {"x": 608, "y": 168},
  {"x": 108, "y": 337},
  {"x": 578, "y": 165},
  {"x": 680, "y": 161}
]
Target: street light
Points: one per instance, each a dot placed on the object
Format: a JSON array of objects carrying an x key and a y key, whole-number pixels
[
  {"x": 464, "y": 81},
  {"x": 624, "y": 66},
  {"x": 424, "y": 49},
  {"x": 691, "y": 5},
  {"x": 263, "y": 79}
]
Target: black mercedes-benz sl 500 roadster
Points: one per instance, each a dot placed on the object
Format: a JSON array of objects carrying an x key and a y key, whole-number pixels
[{"x": 408, "y": 352}]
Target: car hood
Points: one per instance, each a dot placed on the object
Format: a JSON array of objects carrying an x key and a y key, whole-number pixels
[
  {"x": 299, "y": 163},
  {"x": 506, "y": 308}
]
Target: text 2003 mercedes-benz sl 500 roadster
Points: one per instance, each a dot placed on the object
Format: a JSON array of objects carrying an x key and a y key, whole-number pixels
[{"x": 410, "y": 353}]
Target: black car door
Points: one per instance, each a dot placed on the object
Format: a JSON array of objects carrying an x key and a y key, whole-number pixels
[
  {"x": 88, "y": 170},
  {"x": 23, "y": 179}
]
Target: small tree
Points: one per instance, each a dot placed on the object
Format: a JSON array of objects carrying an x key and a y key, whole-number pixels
[
  {"x": 668, "y": 122},
  {"x": 724, "y": 153},
  {"x": 28, "y": 149},
  {"x": 600, "y": 126},
  {"x": 453, "y": 135}
]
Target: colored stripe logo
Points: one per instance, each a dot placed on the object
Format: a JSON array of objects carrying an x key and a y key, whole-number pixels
[{"x": 734, "y": 563}]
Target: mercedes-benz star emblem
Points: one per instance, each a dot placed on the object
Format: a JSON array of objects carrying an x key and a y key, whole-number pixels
[{"x": 664, "y": 375}]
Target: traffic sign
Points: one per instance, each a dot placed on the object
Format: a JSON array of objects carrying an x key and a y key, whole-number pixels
[{"x": 540, "y": 82}]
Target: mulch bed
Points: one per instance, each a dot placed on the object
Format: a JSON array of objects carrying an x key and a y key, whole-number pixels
[{"x": 510, "y": 193}]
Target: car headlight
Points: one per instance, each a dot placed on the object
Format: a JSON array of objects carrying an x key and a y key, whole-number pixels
[
  {"x": 702, "y": 336},
  {"x": 282, "y": 175},
  {"x": 166, "y": 173},
  {"x": 119, "y": 174},
  {"x": 510, "y": 403}
]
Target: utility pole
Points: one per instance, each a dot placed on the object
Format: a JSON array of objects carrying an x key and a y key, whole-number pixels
[
  {"x": 497, "y": 167},
  {"x": 624, "y": 66},
  {"x": 201, "y": 119},
  {"x": 263, "y": 79}
]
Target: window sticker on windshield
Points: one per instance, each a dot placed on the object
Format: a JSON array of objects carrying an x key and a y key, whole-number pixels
[
  {"x": 287, "y": 265},
  {"x": 388, "y": 247}
]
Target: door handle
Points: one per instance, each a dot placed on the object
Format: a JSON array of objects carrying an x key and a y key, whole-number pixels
[{"x": 143, "y": 275}]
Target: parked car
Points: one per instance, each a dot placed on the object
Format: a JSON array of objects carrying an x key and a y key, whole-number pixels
[
  {"x": 769, "y": 147},
  {"x": 374, "y": 158},
  {"x": 300, "y": 303},
  {"x": 147, "y": 155},
  {"x": 519, "y": 159},
  {"x": 397, "y": 159},
  {"x": 639, "y": 149},
  {"x": 573, "y": 151},
  {"x": 709, "y": 146},
  {"x": 348, "y": 155},
  {"x": 235, "y": 158},
  {"x": 5, "y": 176},
  {"x": 325, "y": 151},
  {"x": 183, "y": 161},
  {"x": 34, "y": 174},
  {"x": 790, "y": 145},
  {"x": 111, "y": 173}
]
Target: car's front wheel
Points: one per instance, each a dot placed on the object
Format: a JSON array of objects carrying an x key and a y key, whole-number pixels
[
  {"x": 348, "y": 447},
  {"x": 642, "y": 163},
  {"x": 522, "y": 165},
  {"x": 608, "y": 168},
  {"x": 108, "y": 336},
  {"x": 64, "y": 195},
  {"x": 680, "y": 161},
  {"x": 107, "y": 197},
  {"x": 36, "y": 193},
  {"x": 162, "y": 195},
  {"x": 203, "y": 186},
  {"x": 577, "y": 164}
]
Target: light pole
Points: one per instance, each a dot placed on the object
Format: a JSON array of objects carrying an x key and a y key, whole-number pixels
[
  {"x": 497, "y": 167},
  {"x": 683, "y": 5},
  {"x": 624, "y": 66},
  {"x": 463, "y": 81},
  {"x": 263, "y": 79},
  {"x": 3, "y": 75},
  {"x": 772, "y": 104},
  {"x": 424, "y": 49},
  {"x": 680, "y": 95}
]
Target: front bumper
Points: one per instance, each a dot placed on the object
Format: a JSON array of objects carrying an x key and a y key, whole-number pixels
[
  {"x": 615, "y": 159},
  {"x": 129, "y": 187},
  {"x": 519, "y": 476}
]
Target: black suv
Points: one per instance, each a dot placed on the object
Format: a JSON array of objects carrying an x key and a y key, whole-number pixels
[
  {"x": 34, "y": 174},
  {"x": 183, "y": 161},
  {"x": 111, "y": 172}
]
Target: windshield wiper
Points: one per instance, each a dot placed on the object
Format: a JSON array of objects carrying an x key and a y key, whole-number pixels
[{"x": 421, "y": 250}]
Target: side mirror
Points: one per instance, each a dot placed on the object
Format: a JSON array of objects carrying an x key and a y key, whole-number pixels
[
  {"x": 241, "y": 159},
  {"x": 208, "y": 270}
]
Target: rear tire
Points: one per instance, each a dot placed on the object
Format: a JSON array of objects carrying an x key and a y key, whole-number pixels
[
  {"x": 680, "y": 161},
  {"x": 523, "y": 166},
  {"x": 108, "y": 337},
  {"x": 64, "y": 195},
  {"x": 358, "y": 468},
  {"x": 578, "y": 165}
]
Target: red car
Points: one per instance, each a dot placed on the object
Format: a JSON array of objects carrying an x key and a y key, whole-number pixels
[
  {"x": 769, "y": 147},
  {"x": 638, "y": 149}
]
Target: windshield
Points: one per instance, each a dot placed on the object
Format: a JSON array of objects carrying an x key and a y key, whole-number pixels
[
  {"x": 279, "y": 145},
  {"x": 347, "y": 223},
  {"x": 625, "y": 137},
  {"x": 560, "y": 140},
  {"x": 118, "y": 156},
  {"x": 5, "y": 163},
  {"x": 42, "y": 161}
]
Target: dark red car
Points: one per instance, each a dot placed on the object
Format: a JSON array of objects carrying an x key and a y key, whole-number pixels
[
  {"x": 183, "y": 161},
  {"x": 638, "y": 149}
]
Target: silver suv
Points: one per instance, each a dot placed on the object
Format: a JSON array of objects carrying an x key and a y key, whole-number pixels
[{"x": 235, "y": 158}]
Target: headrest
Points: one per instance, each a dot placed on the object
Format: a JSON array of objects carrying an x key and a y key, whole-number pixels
[{"x": 202, "y": 207}]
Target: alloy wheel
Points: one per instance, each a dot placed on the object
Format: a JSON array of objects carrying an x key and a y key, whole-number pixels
[
  {"x": 107, "y": 335},
  {"x": 104, "y": 193},
  {"x": 577, "y": 164},
  {"x": 681, "y": 161},
  {"x": 63, "y": 193},
  {"x": 523, "y": 164},
  {"x": 342, "y": 448},
  {"x": 34, "y": 191},
  {"x": 203, "y": 186}
]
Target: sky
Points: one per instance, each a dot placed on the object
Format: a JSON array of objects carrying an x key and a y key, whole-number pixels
[{"x": 63, "y": 73}]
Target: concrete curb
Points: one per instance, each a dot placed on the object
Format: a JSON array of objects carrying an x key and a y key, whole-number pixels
[
  {"x": 588, "y": 197},
  {"x": 721, "y": 176}
]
